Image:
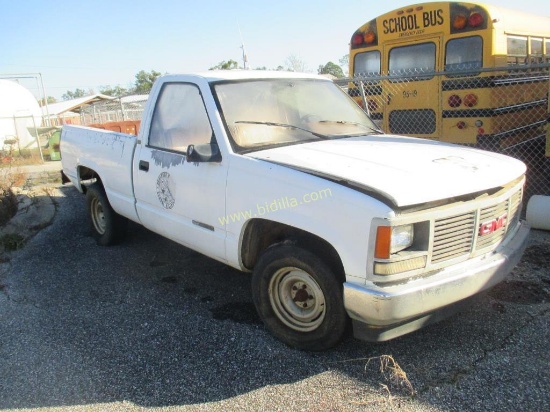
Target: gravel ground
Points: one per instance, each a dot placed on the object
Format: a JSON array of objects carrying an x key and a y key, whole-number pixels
[{"x": 150, "y": 325}]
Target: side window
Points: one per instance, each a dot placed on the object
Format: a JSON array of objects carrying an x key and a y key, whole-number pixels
[
  {"x": 517, "y": 49},
  {"x": 367, "y": 63},
  {"x": 412, "y": 60},
  {"x": 464, "y": 53},
  {"x": 179, "y": 119}
]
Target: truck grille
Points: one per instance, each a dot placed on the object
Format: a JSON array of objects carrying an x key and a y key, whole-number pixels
[{"x": 458, "y": 236}]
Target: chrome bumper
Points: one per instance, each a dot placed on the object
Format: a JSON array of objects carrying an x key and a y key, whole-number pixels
[{"x": 381, "y": 313}]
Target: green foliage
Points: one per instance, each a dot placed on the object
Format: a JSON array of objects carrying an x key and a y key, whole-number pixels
[
  {"x": 49, "y": 100},
  {"x": 332, "y": 69},
  {"x": 225, "y": 65},
  {"x": 116, "y": 91},
  {"x": 74, "y": 95},
  {"x": 144, "y": 81}
]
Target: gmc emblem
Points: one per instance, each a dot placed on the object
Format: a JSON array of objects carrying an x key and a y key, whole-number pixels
[{"x": 489, "y": 227}]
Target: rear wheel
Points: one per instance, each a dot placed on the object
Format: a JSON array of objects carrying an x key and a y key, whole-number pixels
[
  {"x": 107, "y": 226},
  {"x": 299, "y": 298}
]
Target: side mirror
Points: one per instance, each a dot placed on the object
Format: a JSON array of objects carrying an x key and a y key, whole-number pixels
[{"x": 203, "y": 153}]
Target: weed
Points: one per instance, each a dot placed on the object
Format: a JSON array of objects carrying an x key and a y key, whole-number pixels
[{"x": 12, "y": 242}]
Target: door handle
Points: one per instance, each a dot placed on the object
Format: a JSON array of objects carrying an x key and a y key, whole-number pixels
[{"x": 143, "y": 165}]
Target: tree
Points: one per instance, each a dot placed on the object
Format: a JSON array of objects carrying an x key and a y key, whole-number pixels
[
  {"x": 225, "y": 65},
  {"x": 144, "y": 81},
  {"x": 344, "y": 63},
  {"x": 116, "y": 91},
  {"x": 295, "y": 64},
  {"x": 49, "y": 100},
  {"x": 75, "y": 95},
  {"x": 332, "y": 69}
]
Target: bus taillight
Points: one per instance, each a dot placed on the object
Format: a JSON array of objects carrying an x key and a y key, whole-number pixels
[
  {"x": 459, "y": 22},
  {"x": 470, "y": 100},
  {"x": 370, "y": 37},
  {"x": 454, "y": 100},
  {"x": 475, "y": 20},
  {"x": 357, "y": 39}
]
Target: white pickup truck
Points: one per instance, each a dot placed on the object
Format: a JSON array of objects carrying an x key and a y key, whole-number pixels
[{"x": 284, "y": 176}]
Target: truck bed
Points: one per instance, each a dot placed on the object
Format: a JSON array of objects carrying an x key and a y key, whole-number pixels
[{"x": 109, "y": 154}]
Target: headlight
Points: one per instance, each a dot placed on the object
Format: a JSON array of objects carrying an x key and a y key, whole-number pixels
[
  {"x": 392, "y": 239},
  {"x": 401, "y": 238}
]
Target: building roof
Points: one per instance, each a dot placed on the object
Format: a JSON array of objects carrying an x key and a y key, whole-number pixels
[{"x": 74, "y": 105}]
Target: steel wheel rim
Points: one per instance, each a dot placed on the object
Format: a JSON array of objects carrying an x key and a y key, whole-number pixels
[
  {"x": 297, "y": 299},
  {"x": 98, "y": 216}
]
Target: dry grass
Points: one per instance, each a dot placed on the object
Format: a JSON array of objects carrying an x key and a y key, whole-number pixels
[
  {"x": 396, "y": 389},
  {"x": 393, "y": 374},
  {"x": 9, "y": 178}
]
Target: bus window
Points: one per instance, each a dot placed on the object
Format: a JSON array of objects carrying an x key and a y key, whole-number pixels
[
  {"x": 464, "y": 53},
  {"x": 536, "y": 50},
  {"x": 407, "y": 60},
  {"x": 367, "y": 63},
  {"x": 517, "y": 49}
]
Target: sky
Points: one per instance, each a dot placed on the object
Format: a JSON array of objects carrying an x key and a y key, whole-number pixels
[{"x": 90, "y": 44}]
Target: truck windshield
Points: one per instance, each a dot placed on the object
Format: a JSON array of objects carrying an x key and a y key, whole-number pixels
[{"x": 260, "y": 114}]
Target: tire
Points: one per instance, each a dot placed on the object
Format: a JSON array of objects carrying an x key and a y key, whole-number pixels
[
  {"x": 299, "y": 298},
  {"x": 108, "y": 227}
]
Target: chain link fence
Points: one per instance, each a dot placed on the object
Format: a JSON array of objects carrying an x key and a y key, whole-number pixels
[
  {"x": 504, "y": 110},
  {"x": 127, "y": 108}
]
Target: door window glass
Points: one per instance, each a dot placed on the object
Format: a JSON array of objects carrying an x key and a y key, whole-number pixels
[{"x": 180, "y": 118}]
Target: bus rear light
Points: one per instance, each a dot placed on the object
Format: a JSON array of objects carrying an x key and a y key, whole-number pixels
[
  {"x": 461, "y": 125},
  {"x": 475, "y": 20},
  {"x": 370, "y": 37},
  {"x": 459, "y": 22},
  {"x": 470, "y": 100},
  {"x": 410, "y": 10},
  {"x": 373, "y": 106},
  {"x": 419, "y": 8},
  {"x": 481, "y": 131},
  {"x": 479, "y": 123},
  {"x": 454, "y": 100},
  {"x": 357, "y": 39}
]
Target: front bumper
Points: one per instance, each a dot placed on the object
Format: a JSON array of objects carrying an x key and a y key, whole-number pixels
[{"x": 380, "y": 313}]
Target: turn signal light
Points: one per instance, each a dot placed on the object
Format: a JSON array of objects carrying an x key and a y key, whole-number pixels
[
  {"x": 369, "y": 37},
  {"x": 460, "y": 22}
]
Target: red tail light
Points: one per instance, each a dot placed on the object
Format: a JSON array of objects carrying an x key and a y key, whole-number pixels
[
  {"x": 357, "y": 39},
  {"x": 470, "y": 100},
  {"x": 454, "y": 100},
  {"x": 475, "y": 20}
]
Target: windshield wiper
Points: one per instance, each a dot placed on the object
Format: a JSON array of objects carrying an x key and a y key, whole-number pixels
[
  {"x": 353, "y": 123},
  {"x": 290, "y": 126}
]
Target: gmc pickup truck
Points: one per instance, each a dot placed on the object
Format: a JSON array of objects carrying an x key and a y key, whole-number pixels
[{"x": 284, "y": 176}]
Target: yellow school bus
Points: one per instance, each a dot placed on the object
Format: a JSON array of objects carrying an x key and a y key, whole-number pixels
[{"x": 458, "y": 72}]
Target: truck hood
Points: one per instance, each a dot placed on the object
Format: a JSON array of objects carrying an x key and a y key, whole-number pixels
[{"x": 405, "y": 170}]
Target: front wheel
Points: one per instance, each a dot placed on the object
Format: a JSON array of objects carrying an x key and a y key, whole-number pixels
[
  {"x": 107, "y": 226},
  {"x": 299, "y": 298}
]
